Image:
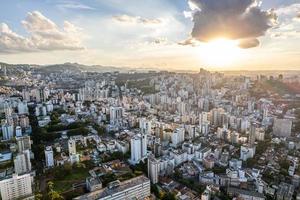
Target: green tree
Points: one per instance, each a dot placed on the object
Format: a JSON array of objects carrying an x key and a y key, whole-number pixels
[
  {"x": 52, "y": 194},
  {"x": 168, "y": 196},
  {"x": 38, "y": 196}
]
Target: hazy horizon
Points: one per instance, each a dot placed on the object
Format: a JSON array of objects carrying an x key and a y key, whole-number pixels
[{"x": 170, "y": 34}]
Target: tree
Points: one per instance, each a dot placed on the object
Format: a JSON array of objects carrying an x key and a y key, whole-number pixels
[
  {"x": 155, "y": 191},
  {"x": 168, "y": 196},
  {"x": 52, "y": 194},
  {"x": 38, "y": 196}
]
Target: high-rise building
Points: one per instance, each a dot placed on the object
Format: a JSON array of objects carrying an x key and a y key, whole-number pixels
[
  {"x": 153, "y": 169},
  {"x": 251, "y": 138},
  {"x": 144, "y": 145},
  {"x": 116, "y": 114},
  {"x": 138, "y": 148},
  {"x": 24, "y": 121},
  {"x": 22, "y": 162},
  {"x": 18, "y": 131},
  {"x": 177, "y": 136},
  {"x": 49, "y": 157},
  {"x": 145, "y": 126},
  {"x": 22, "y": 107},
  {"x": 16, "y": 187},
  {"x": 24, "y": 143},
  {"x": 7, "y": 131}
]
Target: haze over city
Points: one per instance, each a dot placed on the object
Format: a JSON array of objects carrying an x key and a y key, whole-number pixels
[{"x": 168, "y": 34}]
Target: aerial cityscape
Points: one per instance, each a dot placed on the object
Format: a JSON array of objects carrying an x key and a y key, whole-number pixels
[{"x": 150, "y": 100}]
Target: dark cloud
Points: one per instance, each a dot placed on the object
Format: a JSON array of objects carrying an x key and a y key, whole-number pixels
[
  {"x": 231, "y": 19},
  {"x": 248, "y": 43}
]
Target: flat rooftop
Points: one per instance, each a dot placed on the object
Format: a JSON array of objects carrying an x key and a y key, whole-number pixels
[{"x": 109, "y": 191}]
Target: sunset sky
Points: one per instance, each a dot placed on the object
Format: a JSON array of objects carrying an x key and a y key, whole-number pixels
[{"x": 164, "y": 34}]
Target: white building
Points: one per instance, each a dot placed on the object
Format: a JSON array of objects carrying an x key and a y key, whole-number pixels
[
  {"x": 135, "y": 188},
  {"x": 153, "y": 169},
  {"x": 145, "y": 126},
  {"x": 16, "y": 187},
  {"x": 247, "y": 152},
  {"x": 72, "y": 147},
  {"x": 177, "y": 136},
  {"x": 116, "y": 114},
  {"x": 138, "y": 145},
  {"x": 22, "y": 163},
  {"x": 49, "y": 157}
]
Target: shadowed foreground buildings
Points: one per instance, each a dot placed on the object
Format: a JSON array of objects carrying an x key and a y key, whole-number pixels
[{"x": 135, "y": 188}]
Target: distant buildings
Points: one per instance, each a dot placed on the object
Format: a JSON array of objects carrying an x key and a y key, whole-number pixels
[{"x": 282, "y": 127}]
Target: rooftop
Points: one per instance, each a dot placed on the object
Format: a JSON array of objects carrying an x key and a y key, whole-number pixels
[{"x": 112, "y": 190}]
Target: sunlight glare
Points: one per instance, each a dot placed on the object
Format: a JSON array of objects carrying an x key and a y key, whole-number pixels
[{"x": 220, "y": 52}]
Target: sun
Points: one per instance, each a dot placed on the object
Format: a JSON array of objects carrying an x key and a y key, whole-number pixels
[{"x": 220, "y": 52}]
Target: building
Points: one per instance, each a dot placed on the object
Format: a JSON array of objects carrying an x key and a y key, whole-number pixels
[
  {"x": 72, "y": 147},
  {"x": 135, "y": 188},
  {"x": 153, "y": 169},
  {"x": 138, "y": 145},
  {"x": 247, "y": 152},
  {"x": 177, "y": 136},
  {"x": 282, "y": 127},
  {"x": 93, "y": 184},
  {"x": 18, "y": 131},
  {"x": 22, "y": 163},
  {"x": 116, "y": 114},
  {"x": 285, "y": 192},
  {"x": 251, "y": 138},
  {"x": 49, "y": 157},
  {"x": 145, "y": 126},
  {"x": 16, "y": 187},
  {"x": 23, "y": 143},
  {"x": 22, "y": 107},
  {"x": 7, "y": 131},
  {"x": 24, "y": 121},
  {"x": 245, "y": 194}
]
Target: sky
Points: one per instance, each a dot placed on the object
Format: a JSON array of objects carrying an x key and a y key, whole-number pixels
[{"x": 164, "y": 34}]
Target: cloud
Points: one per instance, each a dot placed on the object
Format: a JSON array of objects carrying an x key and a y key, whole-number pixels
[
  {"x": 44, "y": 34},
  {"x": 136, "y": 20},
  {"x": 189, "y": 41},
  {"x": 288, "y": 20},
  {"x": 74, "y": 5},
  {"x": 248, "y": 43},
  {"x": 231, "y": 19}
]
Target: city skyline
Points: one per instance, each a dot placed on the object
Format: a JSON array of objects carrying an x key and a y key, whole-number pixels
[{"x": 170, "y": 34}]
